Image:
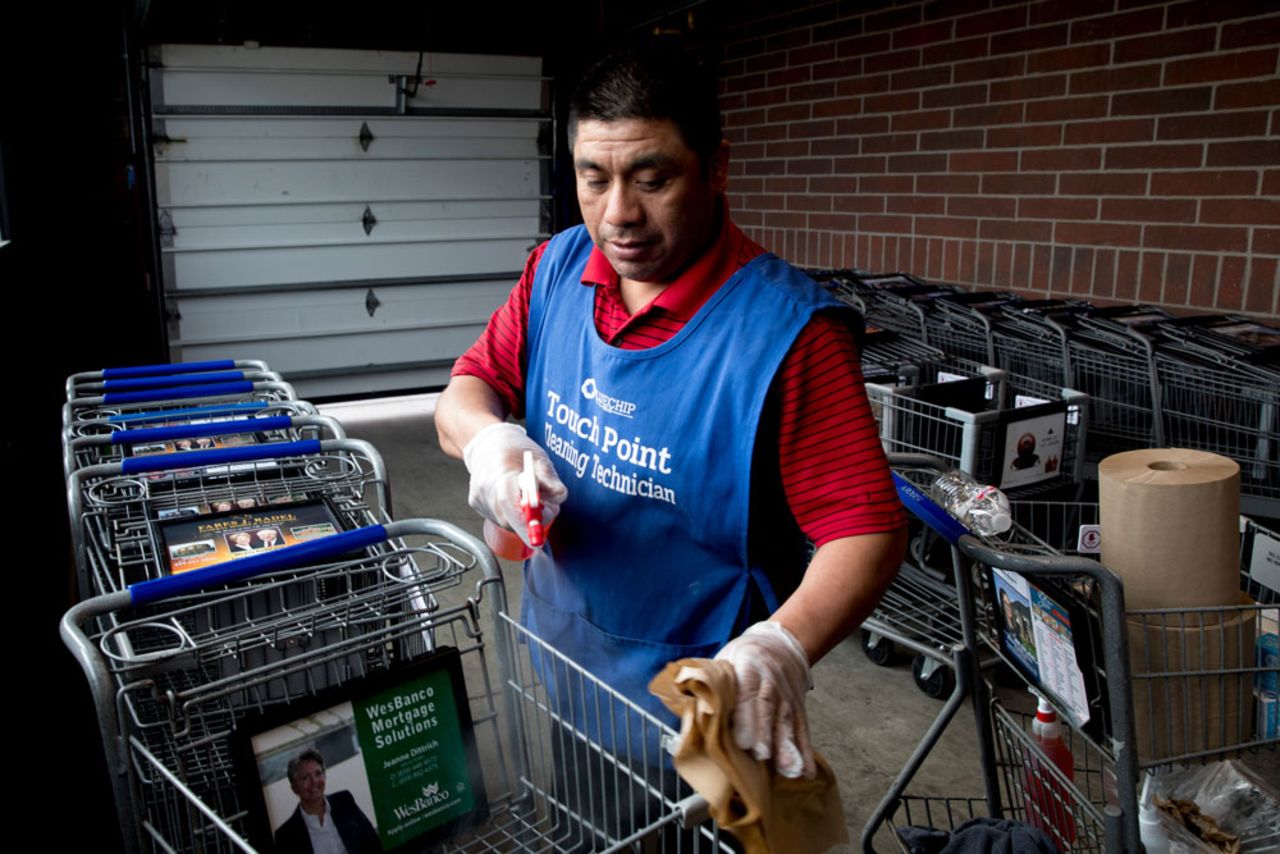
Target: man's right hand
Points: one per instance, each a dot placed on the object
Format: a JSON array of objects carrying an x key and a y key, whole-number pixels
[{"x": 495, "y": 458}]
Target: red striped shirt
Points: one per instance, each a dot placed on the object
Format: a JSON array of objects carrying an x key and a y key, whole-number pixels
[{"x": 829, "y": 454}]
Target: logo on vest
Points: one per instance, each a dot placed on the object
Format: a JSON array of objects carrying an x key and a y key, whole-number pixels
[
  {"x": 602, "y": 450},
  {"x": 608, "y": 404}
]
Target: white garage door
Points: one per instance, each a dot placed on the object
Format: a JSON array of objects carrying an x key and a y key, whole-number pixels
[{"x": 317, "y": 212}]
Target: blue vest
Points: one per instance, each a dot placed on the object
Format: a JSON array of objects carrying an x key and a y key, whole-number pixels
[{"x": 648, "y": 560}]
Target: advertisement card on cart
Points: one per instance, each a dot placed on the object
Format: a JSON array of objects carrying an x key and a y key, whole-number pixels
[
  {"x": 196, "y": 540},
  {"x": 393, "y": 757},
  {"x": 1045, "y": 631}
]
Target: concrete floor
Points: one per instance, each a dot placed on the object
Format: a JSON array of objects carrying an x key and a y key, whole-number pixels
[{"x": 865, "y": 719}]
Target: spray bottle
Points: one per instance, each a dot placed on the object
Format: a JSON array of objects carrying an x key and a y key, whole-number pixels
[
  {"x": 507, "y": 544},
  {"x": 1154, "y": 836},
  {"x": 1048, "y": 800}
]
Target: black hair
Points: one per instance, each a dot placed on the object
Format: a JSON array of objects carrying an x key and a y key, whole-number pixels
[{"x": 652, "y": 83}]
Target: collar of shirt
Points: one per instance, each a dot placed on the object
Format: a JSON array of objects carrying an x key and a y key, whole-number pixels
[
  {"x": 314, "y": 821},
  {"x": 686, "y": 294},
  {"x": 326, "y": 839}
]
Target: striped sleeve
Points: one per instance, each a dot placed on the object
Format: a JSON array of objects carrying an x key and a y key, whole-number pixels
[
  {"x": 500, "y": 355},
  {"x": 833, "y": 467}
]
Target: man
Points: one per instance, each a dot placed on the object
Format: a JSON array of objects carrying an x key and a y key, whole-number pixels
[
  {"x": 322, "y": 824},
  {"x": 646, "y": 392}
]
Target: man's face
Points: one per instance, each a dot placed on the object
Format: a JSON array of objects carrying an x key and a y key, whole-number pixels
[
  {"x": 308, "y": 782},
  {"x": 646, "y": 199}
]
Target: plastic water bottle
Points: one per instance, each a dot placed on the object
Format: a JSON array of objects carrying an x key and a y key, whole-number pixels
[
  {"x": 1047, "y": 799},
  {"x": 983, "y": 509}
]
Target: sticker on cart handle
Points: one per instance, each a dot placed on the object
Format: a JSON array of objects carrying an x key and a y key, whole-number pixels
[{"x": 1089, "y": 540}]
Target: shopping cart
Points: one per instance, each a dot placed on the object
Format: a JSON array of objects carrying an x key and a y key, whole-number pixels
[
  {"x": 1225, "y": 404},
  {"x": 120, "y": 511},
  {"x": 549, "y": 772},
  {"x": 1029, "y": 338},
  {"x": 78, "y": 384},
  {"x": 224, "y": 396},
  {"x": 1193, "y": 669},
  {"x": 893, "y": 300},
  {"x": 1113, "y": 361},
  {"x": 960, "y": 323},
  {"x": 168, "y": 381},
  {"x": 1156, "y": 686},
  {"x": 97, "y": 441},
  {"x": 1092, "y": 827},
  {"x": 978, "y": 418},
  {"x": 891, "y": 358},
  {"x": 1232, "y": 334}
]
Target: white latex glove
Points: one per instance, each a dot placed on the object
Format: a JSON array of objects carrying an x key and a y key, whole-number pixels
[
  {"x": 495, "y": 458},
  {"x": 768, "y": 719}
]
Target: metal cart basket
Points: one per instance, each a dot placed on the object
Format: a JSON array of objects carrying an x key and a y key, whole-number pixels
[
  {"x": 1157, "y": 686},
  {"x": 116, "y": 506},
  {"x": 559, "y": 766},
  {"x": 112, "y": 440}
]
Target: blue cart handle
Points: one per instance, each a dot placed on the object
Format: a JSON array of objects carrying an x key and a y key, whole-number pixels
[
  {"x": 213, "y": 408},
  {"x": 191, "y": 431},
  {"x": 165, "y": 380},
  {"x": 289, "y": 557},
  {"x": 928, "y": 511},
  {"x": 173, "y": 368},
  {"x": 176, "y": 392},
  {"x": 244, "y": 453}
]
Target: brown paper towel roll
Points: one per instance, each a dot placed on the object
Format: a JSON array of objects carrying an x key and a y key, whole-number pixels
[
  {"x": 1191, "y": 691},
  {"x": 1170, "y": 526}
]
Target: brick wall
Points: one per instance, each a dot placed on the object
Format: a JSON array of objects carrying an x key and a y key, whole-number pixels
[{"x": 1121, "y": 150}]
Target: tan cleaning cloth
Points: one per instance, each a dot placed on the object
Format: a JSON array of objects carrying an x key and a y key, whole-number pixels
[{"x": 763, "y": 809}]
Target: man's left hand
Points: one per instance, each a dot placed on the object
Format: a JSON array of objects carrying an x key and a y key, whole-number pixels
[{"x": 769, "y": 720}]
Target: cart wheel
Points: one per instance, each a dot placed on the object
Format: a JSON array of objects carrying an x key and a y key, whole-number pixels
[
  {"x": 937, "y": 682},
  {"x": 877, "y": 648}
]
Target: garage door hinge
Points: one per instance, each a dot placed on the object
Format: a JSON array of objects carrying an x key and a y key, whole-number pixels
[{"x": 167, "y": 229}]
